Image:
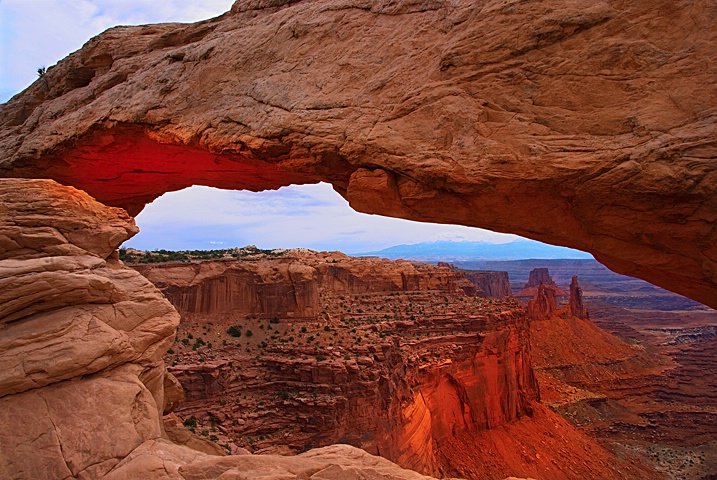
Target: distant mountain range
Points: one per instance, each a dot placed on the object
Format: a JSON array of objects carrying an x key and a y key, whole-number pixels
[{"x": 450, "y": 251}]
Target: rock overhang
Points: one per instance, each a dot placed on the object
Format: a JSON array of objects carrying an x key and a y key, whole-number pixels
[{"x": 591, "y": 126}]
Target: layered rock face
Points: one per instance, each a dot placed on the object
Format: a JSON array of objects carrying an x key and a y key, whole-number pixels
[
  {"x": 601, "y": 113},
  {"x": 289, "y": 286},
  {"x": 404, "y": 394},
  {"x": 421, "y": 377},
  {"x": 83, "y": 385},
  {"x": 540, "y": 276},
  {"x": 283, "y": 288},
  {"x": 492, "y": 284},
  {"x": 83, "y": 380},
  {"x": 403, "y": 398}
]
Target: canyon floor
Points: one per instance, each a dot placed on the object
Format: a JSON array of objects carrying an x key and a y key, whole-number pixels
[
  {"x": 658, "y": 402},
  {"x": 634, "y": 388}
]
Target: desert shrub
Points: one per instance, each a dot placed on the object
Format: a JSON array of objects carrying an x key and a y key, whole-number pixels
[{"x": 234, "y": 331}]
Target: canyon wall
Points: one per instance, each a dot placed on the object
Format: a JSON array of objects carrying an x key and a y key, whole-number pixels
[
  {"x": 492, "y": 284},
  {"x": 289, "y": 286},
  {"x": 283, "y": 288},
  {"x": 400, "y": 362},
  {"x": 514, "y": 117},
  {"x": 84, "y": 385},
  {"x": 402, "y": 399}
]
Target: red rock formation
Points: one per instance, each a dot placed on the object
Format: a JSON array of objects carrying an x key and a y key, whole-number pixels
[
  {"x": 448, "y": 125},
  {"x": 81, "y": 351},
  {"x": 491, "y": 284},
  {"x": 288, "y": 286},
  {"x": 540, "y": 276},
  {"x": 577, "y": 308},
  {"x": 282, "y": 288},
  {"x": 544, "y": 305},
  {"x": 422, "y": 392},
  {"x": 403, "y": 397}
]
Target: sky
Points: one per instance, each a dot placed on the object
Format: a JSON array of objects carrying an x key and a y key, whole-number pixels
[{"x": 38, "y": 33}]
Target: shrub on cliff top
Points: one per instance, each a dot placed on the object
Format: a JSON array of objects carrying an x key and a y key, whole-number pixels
[{"x": 234, "y": 331}]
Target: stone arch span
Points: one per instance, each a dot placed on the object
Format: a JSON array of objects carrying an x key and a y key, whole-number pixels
[{"x": 589, "y": 126}]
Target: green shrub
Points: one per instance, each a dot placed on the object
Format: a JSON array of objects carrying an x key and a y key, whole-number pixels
[
  {"x": 190, "y": 422},
  {"x": 274, "y": 320},
  {"x": 320, "y": 358},
  {"x": 249, "y": 333},
  {"x": 234, "y": 331}
]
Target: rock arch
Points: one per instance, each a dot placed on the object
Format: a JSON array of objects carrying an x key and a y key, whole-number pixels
[{"x": 590, "y": 126}]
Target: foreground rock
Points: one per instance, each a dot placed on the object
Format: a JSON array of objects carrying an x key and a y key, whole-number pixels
[
  {"x": 590, "y": 126},
  {"x": 83, "y": 386}
]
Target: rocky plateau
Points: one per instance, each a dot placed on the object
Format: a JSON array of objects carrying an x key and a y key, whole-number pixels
[
  {"x": 83, "y": 384},
  {"x": 402, "y": 359}
]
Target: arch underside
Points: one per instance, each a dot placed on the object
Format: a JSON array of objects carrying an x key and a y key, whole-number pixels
[{"x": 590, "y": 127}]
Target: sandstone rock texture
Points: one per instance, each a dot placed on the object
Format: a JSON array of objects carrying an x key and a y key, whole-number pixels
[
  {"x": 289, "y": 285},
  {"x": 491, "y": 284},
  {"x": 401, "y": 361},
  {"x": 82, "y": 336},
  {"x": 540, "y": 276},
  {"x": 591, "y": 125},
  {"x": 83, "y": 385}
]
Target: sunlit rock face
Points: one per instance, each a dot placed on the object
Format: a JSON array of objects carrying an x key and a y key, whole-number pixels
[
  {"x": 83, "y": 385},
  {"x": 460, "y": 364},
  {"x": 82, "y": 336},
  {"x": 590, "y": 126}
]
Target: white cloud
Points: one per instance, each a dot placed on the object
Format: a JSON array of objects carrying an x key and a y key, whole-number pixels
[{"x": 312, "y": 216}]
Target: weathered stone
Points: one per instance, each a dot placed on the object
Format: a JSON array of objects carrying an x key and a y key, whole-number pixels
[
  {"x": 577, "y": 307},
  {"x": 590, "y": 126}
]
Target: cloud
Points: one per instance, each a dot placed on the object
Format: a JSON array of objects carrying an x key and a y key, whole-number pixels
[
  {"x": 312, "y": 216},
  {"x": 35, "y": 33}
]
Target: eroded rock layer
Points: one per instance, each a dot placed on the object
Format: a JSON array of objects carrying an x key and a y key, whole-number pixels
[
  {"x": 83, "y": 385},
  {"x": 590, "y": 125},
  {"x": 400, "y": 362}
]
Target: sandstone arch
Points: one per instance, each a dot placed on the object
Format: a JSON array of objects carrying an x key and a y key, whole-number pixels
[{"x": 590, "y": 126}]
